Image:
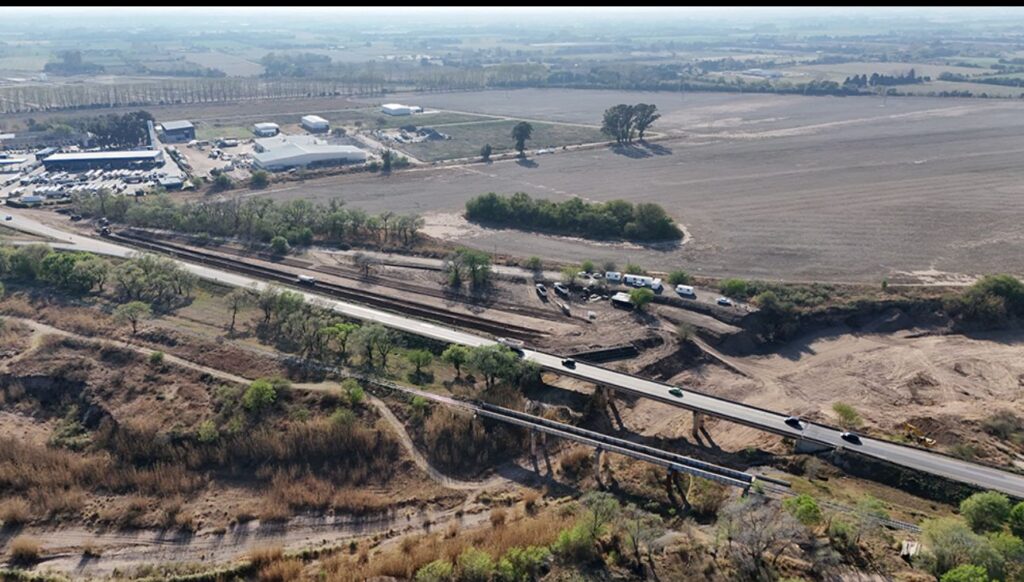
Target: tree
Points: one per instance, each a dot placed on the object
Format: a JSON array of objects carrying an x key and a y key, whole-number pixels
[
  {"x": 619, "y": 122},
  {"x": 601, "y": 509},
  {"x": 338, "y": 335},
  {"x": 493, "y": 361},
  {"x": 374, "y": 340},
  {"x": 238, "y": 299},
  {"x": 804, "y": 508},
  {"x": 485, "y": 153},
  {"x": 679, "y": 278},
  {"x": 986, "y": 511},
  {"x": 758, "y": 532},
  {"x": 640, "y": 528},
  {"x": 364, "y": 263},
  {"x": 587, "y": 266},
  {"x": 420, "y": 359},
  {"x": 259, "y": 395},
  {"x": 949, "y": 543},
  {"x": 640, "y": 298},
  {"x": 522, "y": 132},
  {"x": 966, "y": 573},
  {"x": 259, "y": 180},
  {"x": 848, "y": 415},
  {"x": 569, "y": 274},
  {"x": 133, "y": 312},
  {"x": 456, "y": 355},
  {"x": 472, "y": 263},
  {"x": 1016, "y": 519},
  {"x": 644, "y": 116},
  {"x": 386, "y": 160},
  {"x": 279, "y": 245}
]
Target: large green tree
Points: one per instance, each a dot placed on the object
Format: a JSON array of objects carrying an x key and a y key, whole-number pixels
[{"x": 521, "y": 132}]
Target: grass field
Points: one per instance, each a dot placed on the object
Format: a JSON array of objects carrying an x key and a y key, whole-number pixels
[
  {"x": 233, "y": 65},
  {"x": 213, "y": 131},
  {"x": 32, "y": 63},
  {"x": 469, "y": 138}
]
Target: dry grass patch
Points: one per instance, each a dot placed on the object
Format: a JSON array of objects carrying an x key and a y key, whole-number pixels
[
  {"x": 14, "y": 511},
  {"x": 416, "y": 551},
  {"x": 25, "y": 550},
  {"x": 281, "y": 571}
]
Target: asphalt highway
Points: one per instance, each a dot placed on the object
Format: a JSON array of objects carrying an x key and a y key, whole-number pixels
[{"x": 773, "y": 422}]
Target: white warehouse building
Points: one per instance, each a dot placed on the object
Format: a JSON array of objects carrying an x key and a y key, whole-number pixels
[
  {"x": 284, "y": 152},
  {"x": 266, "y": 129},
  {"x": 399, "y": 109},
  {"x": 315, "y": 123}
]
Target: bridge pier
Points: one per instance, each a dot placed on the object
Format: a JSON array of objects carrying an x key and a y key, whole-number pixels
[
  {"x": 698, "y": 425},
  {"x": 807, "y": 447},
  {"x": 597, "y": 467}
]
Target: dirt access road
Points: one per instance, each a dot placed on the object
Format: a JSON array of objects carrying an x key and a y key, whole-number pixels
[{"x": 774, "y": 187}]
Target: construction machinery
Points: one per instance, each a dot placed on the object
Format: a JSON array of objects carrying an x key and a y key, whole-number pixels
[{"x": 913, "y": 433}]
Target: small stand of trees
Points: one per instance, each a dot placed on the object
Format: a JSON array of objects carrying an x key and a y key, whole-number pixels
[
  {"x": 522, "y": 132},
  {"x": 622, "y": 121},
  {"x": 616, "y": 219}
]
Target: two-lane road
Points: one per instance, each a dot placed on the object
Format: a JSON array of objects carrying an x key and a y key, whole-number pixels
[{"x": 766, "y": 420}]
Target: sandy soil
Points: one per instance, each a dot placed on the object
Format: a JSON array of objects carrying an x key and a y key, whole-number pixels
[{"x": 944, "y": 384}]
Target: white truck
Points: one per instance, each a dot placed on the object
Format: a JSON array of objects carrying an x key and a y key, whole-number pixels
[{"x": 306, "y": 280}]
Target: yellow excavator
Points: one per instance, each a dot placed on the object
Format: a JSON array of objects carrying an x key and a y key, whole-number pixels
[{"x": 913, "y": 433}]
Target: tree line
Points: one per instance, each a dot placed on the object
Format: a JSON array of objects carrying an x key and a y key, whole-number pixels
[
  {"x": 299, "y": 222},
  {"x": 876, "y": 79},
  {"x": 156, "y": 281},
  {"x": 616, "y": 219},
  {"x": 621, "y": 121}
]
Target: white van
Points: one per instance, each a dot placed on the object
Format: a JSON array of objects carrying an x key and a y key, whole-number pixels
[
  {"x": 613, "y": 276},
  {"x": 685, "y": 291},
  {"x": 307, "y": 280}
]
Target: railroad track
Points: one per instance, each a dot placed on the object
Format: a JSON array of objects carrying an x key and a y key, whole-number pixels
[{"x": 488, "y": 325}]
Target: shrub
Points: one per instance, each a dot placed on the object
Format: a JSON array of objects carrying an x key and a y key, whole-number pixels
[
  {"x": 436, "y": 571},
  {"x": 222, "y": 182},
  {"x": 986, "y": 511},
  {"x": 259, "y": 180},
  {"x": 156, "y": 358},
  {"x": 207, "y": 432},
  {"x": 279, "y": 245},
  {"x": 966, "y": 573},
  {"x": 679, "y": 278},
  {"x": 641, "y": 298},
  {"x": 804, "y": 508},
  {"x": 498, "y": 517},
  {"x": 576, "y": 544},
  {"x": 848, "y": 415},
  {"x": 576, "y": 463},
  {"x": 522, "y": 564},
  {"x": 353, "y": 391},
  {"x": 475, "y": 565},
  {"x": 24, "y": 550},
  {"x": 1016, "y": 520},
  {"x": 534, "y": 264},
  {"x": 260, "y": 395},
  {"x": 735, "y": 288}
]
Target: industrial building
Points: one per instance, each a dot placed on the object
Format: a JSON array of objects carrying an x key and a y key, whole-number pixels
[
  {"x": 176, "y": 131},
  {"x": 399, "y": 109},
  {"x": 266, "y": 129},
  {"x": 315, "y": 123},
  {"x": 135, "y": 160},
  {"x": 35, "y": 139},
  {"x": 10, "y": 165},
  {"x": 300, "y": 151}
]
